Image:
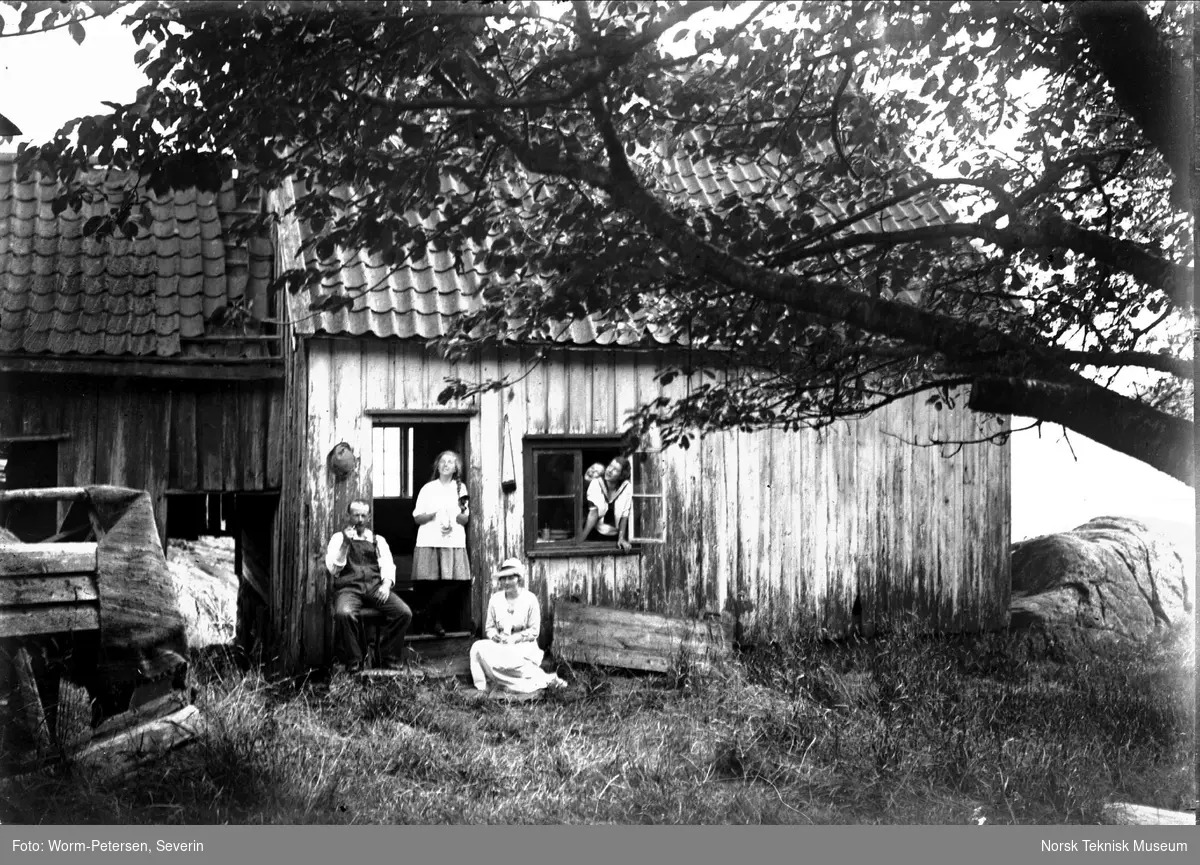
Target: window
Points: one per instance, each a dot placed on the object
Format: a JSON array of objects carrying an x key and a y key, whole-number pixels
[
  {"x": 649, "y": 518},
  {"x": 556, "y": 507},
  {"x": 392, "y": 461}
]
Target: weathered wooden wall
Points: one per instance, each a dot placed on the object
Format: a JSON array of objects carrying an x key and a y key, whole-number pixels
[
  {"x": 298, "y": 613},
  {"x": 773, "y": 527},
  {"x": 192, "y": 436}
]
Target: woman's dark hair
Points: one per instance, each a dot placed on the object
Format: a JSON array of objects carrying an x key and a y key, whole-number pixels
[{"x": 458, "y": 471}]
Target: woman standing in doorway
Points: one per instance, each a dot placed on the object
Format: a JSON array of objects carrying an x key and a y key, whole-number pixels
[{"x": 441, "y": 513}]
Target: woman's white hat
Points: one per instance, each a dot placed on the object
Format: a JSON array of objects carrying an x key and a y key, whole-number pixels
[{"x": 510, "y": 567}]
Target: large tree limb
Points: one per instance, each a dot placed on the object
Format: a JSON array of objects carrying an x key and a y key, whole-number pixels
[
  {"x": 1147, "y": 433},
  {"x": 1172, "y": 279},
  {"x": 1123, "y": 424},
  {"x": 1149, "y": 81}
]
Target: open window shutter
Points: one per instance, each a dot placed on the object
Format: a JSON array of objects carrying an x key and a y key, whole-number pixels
[{"x": 649, "y": 516}]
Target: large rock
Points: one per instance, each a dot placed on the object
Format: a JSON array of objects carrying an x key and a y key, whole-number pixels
[{"x": 1110, "y": 580}]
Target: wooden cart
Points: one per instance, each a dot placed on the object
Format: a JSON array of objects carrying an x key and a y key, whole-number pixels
[{"x": 92, "y": 644}]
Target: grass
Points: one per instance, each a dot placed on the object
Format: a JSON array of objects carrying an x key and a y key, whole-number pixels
[{"x": 902, "y": 729}]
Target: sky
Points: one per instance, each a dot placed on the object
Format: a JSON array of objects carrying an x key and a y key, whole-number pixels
[{"x": 1060, "y": 480}]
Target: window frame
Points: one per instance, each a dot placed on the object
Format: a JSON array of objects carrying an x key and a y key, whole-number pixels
[
  {"x": 635, "y": 526},
  {"x": 408, "y": 484},
  {"x": 531, "y": 446}
]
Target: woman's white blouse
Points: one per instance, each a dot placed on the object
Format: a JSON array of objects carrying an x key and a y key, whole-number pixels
[
  {"x": 439, "y": 498},
  {"x": 522, "y": 615}
]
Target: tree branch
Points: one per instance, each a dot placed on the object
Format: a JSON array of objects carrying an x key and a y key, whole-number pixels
[
  {"x": 1122, "y": 423},
  {"x": 1148, "y": 80},
  {"x": 1172, "y": 279},
  {"x": 618, "y": 52}
]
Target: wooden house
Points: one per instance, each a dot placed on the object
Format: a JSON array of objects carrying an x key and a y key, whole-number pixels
[
  {"x": 773, "y": 529},
  {"x": 128, "y": 361}
]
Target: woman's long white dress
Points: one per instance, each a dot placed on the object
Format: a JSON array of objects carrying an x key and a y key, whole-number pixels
[{"x": 515, "y": 666}]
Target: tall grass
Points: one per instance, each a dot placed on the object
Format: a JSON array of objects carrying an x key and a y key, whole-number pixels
[{"x": 903, "y": 729}]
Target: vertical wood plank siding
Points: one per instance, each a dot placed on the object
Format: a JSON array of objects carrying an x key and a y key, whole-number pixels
[
  {"x": 156, "y": 436},
  {"x": 776, "y": 529}
]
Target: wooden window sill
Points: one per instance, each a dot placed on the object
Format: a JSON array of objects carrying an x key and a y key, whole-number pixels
[{"x": 566, "y": 549}]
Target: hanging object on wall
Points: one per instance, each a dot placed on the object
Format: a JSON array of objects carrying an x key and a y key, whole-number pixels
[
  {"x": 342, "y": 460},
  {"x": 508, "y": 468}
]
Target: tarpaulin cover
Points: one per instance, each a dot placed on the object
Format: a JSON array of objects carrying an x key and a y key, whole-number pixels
[{"x": 142, "y": 631}]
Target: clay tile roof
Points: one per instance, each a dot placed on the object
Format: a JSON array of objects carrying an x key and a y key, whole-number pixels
[
  {"x": 63, "y": 294},
  {"x": 419, "y": 299}
]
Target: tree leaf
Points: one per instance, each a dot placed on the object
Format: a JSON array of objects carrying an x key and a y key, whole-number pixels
[{"x": 78, "y": 33}]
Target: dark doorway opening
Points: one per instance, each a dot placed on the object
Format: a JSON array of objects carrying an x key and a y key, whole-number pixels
[
  {"x": 403, "y": 457},
  {"x": 30, "y": 465},
  {"x": 229, "y": 533}
]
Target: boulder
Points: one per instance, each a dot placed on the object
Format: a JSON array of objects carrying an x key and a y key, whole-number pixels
[{"x": 1108, "y": 581}]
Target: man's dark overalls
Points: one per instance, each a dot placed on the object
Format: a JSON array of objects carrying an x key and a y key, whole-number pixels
[{"x": 355, "y": 588}]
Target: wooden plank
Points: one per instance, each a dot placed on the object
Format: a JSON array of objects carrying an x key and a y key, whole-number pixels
[
  {"x": 379, "y": 376},
  {"x": 41, "y": 494},
  {"x": 557, "y": 400},
  {"x": 412, "y": 374},
  {"x": 514, "y": 408},
  {"x": 635, "y": 640},
  {"x": 349, "y": 425},
  {"x": 232, "y": 456},
  {"x": 1128, "y": 814},
  {"x": 31, "y": 714},
  {"x": 202, "y": 369},
  {"x": 108, "y": 417},
  {"x": 184, "y": 463},
  {"x": 437, "y": 659},
  {"x": 580, "y": 375},
  {"x": 750, "y": 522},
  {"x": 535, "y": 394},
  {"x": 159, "y": 707},
  {"x": 138, "y": 432},
  {"x": 210, "y": 438},
  {"x": 312, "y": 620},
  {"x": 486, "y": 436},
  {"x": 48, "y": 437},
  {"x": 604, "y": 397},
  {"x": 276, "y": 419},
  {"x": 23, "y": 560},
  {"x": 252, "y": 426},
  {"x": 155, "y": 459},
  {"x": 142, "y": 743},
  {"x": 61, "y": 618},
  {"x": 27, "y": 591}
]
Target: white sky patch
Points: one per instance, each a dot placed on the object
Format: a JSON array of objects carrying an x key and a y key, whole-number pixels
[{"x": 46, "y": 79}]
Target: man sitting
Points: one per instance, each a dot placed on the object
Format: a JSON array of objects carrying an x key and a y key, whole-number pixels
[{"x": 363, "y": 575}]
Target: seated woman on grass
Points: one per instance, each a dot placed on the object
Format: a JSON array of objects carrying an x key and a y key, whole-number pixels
[{"x": 509, "y": 659}]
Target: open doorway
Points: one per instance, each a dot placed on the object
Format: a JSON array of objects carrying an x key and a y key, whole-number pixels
[
  {"x": 219, "y": 548},
  {"x": 30, "y": 464},
  {"x": 402, "y": 462}
]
